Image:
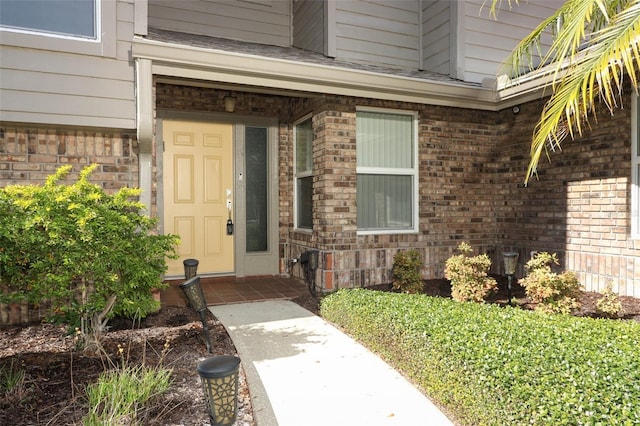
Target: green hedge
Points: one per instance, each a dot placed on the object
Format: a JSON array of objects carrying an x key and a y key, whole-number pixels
[{"x": 491, "y": 365}]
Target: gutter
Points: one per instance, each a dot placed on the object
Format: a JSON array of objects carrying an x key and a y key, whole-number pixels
[{"x": 174, "y": 60}]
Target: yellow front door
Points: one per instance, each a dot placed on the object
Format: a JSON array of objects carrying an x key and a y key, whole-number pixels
[{"x": 198, "y": 193}]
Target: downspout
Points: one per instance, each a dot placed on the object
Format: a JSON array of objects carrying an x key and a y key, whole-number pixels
[{"x": 144, "y": 124}]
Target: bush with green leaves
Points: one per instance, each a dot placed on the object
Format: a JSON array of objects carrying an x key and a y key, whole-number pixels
[
  {"x": 492, "y": 365},
  {"x": 609, "y": 304},
  {"x": 89, "y": 254},
  {"x": 407, "y": 277},
  {"x": 552, "y": 292},
  {"x": 469, "y": 275}
]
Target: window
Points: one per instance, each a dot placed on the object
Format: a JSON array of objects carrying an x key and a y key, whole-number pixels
[
  {"x": 71, "y": 18},
  {"x": 635, "y": 168},
  {"x": 303, "y": 134},
  {"x": 256, "y": 199},
  {"x": 387, "y": 171},
  {"x": 86, "y": 27}
]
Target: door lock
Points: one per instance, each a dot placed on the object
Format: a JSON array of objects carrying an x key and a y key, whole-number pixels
[{"x": 229, "y": 221}]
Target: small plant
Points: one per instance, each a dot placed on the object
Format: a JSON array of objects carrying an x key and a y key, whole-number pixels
[
  {"x": 12, "y": 382},
  {"x": 118, "y": 396},
  {"x": 553, "y": 293},
  {"x": 124, "y": 395},
  {"x": 609, "y": 304},
  {"x": 406, "y": 272},
  {"x": 468, "y": 275}
]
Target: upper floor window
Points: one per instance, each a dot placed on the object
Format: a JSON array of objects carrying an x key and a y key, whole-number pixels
[
  {"x": 81, "y": 27},
  {"x": 67, "y": 18},
  {"x": 303, "y": 134},
  {"x": 635, "y": 168},
  {"x": 387, "y": 171}
]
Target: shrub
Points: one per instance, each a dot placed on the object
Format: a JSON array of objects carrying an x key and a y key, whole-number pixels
[
  {"x": 609, "y": 304},
  {"x": 406, "y": 271},
  {"x": 552, "y": 292},
  {"x": 491, "y": 365},
  {"x": 468, "y": 275},
  {"x": 89, "y": 254}
]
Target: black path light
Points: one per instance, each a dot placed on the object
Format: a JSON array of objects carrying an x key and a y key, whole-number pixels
[
  {"x": 220, "y": 385},
  {"x": 510, "y": 265},
  {"x": 190, "y": 268},
  {"x": 193, "y": 290}
]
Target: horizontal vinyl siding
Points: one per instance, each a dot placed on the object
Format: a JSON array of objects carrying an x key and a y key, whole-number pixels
[
  {"x": 63, "y": 88},
  {"x": 266, "y": 22},
  {"x": 384, "y": 33},
  {"x": 488, "y": 41},
  {"x": 436, "y": 33},
  {"x": 309, "y": 27}
]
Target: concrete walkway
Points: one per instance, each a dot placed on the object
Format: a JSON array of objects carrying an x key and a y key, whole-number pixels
[{"x": 303, "y": 371}]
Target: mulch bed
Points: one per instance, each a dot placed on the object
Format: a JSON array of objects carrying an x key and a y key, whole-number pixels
[{"x": 57, "y": 373}]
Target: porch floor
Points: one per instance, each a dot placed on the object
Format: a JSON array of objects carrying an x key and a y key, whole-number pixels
[{"x": 226, "y": 290}]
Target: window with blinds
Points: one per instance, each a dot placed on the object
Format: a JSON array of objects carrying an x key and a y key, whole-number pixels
[{"x": 387, "y": 172}]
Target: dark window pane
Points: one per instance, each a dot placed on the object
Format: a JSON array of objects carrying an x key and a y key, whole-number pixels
[
  {"x": 257, "y": 189},
  {"x": 304, "y": 203},
  {"x": 384, "y": 202}
]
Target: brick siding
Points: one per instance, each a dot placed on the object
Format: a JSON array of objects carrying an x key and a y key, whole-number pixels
[
  {"x": 579, "y": 207},
  {"x": 29, "y": 154}
]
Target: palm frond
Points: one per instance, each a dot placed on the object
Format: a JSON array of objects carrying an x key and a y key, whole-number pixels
[
  {"x": 612, "y": 54},
  {"x": 570, "y": 27}
]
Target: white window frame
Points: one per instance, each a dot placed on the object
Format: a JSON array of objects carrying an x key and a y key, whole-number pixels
[
  {"x": 635, "y": 165},
  {"x": 299, "y": 175},
  {"x": 103, "y": 45},
  {"x": 413, "y": 172}
]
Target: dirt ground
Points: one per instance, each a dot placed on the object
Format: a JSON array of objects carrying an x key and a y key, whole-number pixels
[{"x": 56, "y": 374}]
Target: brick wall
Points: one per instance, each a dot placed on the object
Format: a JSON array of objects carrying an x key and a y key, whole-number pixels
[
  {"x": 579, "y": 207},
  {"x": 455, "y": 198},
  {"x": 30, "y": 154},
  {"x": 472, "y": 169}
]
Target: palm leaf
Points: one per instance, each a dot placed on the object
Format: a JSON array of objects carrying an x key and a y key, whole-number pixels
[
  {"x": 595, "y": 45},
  {"x": 598, "y": 71}
]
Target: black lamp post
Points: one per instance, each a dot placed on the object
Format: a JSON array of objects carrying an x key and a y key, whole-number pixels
[
  {"x": 219, "y": 377},
  {"x": 510, "y": 265},
  {"x": 193, "y": 290}
]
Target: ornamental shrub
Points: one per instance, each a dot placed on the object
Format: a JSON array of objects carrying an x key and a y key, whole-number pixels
[
  {"x": 88, "y": 254},
  {"x": 552, "y": 292},
  {"x": 406, "y": 271},
  {"x": 609, "y": 304},
  {"x": 468, "y": 275}
]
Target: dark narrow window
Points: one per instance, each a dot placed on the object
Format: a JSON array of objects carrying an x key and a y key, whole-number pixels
[
  {"x": 304, "y": 174},
  {"x": 257, "y": 192}
]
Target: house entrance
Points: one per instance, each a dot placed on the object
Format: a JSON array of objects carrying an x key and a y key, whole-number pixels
[
  {"x": 198, "y": 193},
  {"x": 215, "y": 174}
]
